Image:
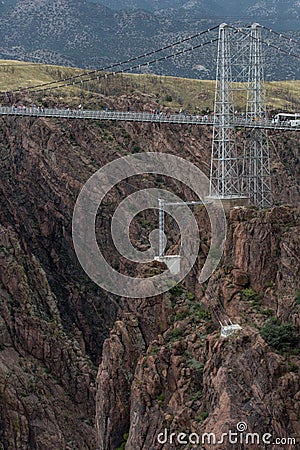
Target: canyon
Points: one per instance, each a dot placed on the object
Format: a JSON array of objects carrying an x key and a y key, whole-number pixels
[{"x": 81, "y": 368}]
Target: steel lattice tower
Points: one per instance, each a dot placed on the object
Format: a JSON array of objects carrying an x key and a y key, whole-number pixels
[
  {"x": 240, "y": 68},
  {"x": 224, "y": 174},
  {"x": 256, "y": 163}
]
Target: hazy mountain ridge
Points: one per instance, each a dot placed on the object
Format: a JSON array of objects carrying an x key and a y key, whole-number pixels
[
  {"x": 280, "y": 12},
  {"x": 283, "y": 13},
  {"x": 91, "y": 34}
]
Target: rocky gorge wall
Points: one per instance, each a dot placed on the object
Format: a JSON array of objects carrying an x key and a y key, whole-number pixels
[
  {"x": 192, "y": 380},
  {"x": 81, "y": 368}
]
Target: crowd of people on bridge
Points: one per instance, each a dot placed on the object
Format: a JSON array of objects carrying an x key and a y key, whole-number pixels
[
  {"x": 156, "y": 114},
  {"x": 19, "y": 108}
]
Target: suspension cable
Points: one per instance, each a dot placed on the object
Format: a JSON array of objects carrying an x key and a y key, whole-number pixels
[
  {"x": 111, "y": 66},
  {"x": 266, "y": 43},
  {"x": 281, "y": 35},
  {"x": 138, "y": 66}
]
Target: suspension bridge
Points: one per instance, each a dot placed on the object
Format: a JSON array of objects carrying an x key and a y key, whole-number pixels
[
  {"x": 240, "y": 67},
  {"x": 129, "y": 116}
]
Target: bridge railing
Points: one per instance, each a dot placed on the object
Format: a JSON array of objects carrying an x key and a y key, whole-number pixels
[{"x": 144, "y": 116}]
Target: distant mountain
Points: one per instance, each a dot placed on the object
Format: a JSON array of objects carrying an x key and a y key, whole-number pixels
[
  {"x": 91, "y": 34},
  {"x": 283, "y": 13}
]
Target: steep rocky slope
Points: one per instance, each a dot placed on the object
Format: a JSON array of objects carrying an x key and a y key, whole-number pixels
[
  {"x": 192, "y": 380},
  {"x": 46, "y": 378},
  {"x": 163, "y": 362}
]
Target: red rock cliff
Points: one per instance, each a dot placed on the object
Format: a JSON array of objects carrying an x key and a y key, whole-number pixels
[{"x": 163, "y": 363}]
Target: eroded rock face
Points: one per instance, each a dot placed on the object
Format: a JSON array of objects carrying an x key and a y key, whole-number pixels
[
  {"x": 121, "y": 353},
  {"x": 192, "y": 380},
  {"x": 163, "y": 363},
  {"x": 54, "y": 319},
  {"x": 46, "y": 379}
]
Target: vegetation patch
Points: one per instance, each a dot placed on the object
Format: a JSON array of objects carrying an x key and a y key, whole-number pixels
[
  {"x": 174, "y": 334},
  {"x": 198, "y": 313},
  {"x": 125, "y": 439},
  {"x": 177, "y": 290},
  {"x": 203, "y": 416},
  {"x": 197, "y": 395},
  {"x": 198, "y": 366},
  {"x": 160, "y": 399},
  {"x": 250, "y": 294},
  {"x": 281, "y": 336}
]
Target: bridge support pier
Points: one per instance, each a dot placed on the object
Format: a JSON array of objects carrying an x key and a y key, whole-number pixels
[{"x": 230, "y": 202}]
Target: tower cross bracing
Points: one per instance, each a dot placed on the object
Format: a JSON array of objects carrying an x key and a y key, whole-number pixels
[{"x": 236, "y": 172}]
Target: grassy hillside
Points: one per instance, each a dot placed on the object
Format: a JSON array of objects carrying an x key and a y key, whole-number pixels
[{"x": 175, "y": 93}]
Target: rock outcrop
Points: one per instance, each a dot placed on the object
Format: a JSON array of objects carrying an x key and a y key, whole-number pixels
[
  {"x": 46, "y": 378},
  {"x": 191, "y": 379}
]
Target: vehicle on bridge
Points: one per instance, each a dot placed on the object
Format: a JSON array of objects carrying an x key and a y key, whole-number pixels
[{"x": 292, "y": 119}]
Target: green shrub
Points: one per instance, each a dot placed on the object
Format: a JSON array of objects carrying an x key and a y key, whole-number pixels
[
  {"x": 250, "y": 294},
  {"x": 125, "y": 438},
  {"x": 198, "y": 313},
  {"x": 267, "y": 312},
  {"x": 197, "y": 395},
  {"x": 297, "y": 297},
  {"x": 195, "y": 364},
  {"x": 177, "y": 290},
  {"x": 174, "y": 334},
  {"x": 189, "y": 295},
  {"x": 203, "y": 416},
  {"x": 136, "y": 149},
  {"x": 161, "y": 398},
  {"x": 172, "y": 318},
  {"x": 281, "y": 336},
  {"x": 181, "y": 315},
  {"x": 293, "y": 367},
  {"x": 153, "y": 350}
]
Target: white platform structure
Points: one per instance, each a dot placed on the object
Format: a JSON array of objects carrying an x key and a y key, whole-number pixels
[{"x": 229, "y": 328}]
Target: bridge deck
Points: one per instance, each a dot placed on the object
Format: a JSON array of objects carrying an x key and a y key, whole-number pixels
[{"x": 141, "y": 117}]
